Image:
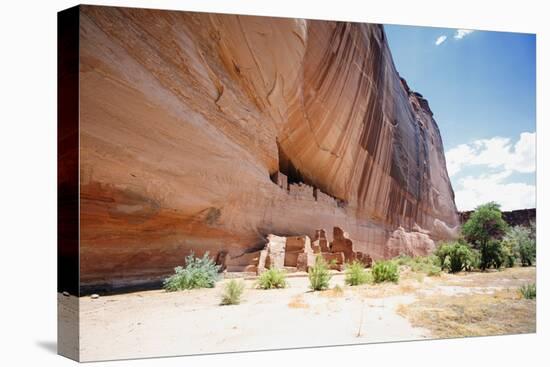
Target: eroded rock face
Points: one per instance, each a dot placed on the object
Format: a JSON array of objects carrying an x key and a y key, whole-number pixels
[
  {"x": 403, "y": 242},
  {"x": 207, "y": 132}
]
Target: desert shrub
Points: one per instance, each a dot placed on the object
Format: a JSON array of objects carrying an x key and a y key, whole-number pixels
[
  {"x": 531, "y": 245},
  {"x": 232, "y": 293},
  {"x": 484, "y": 230},
  {"x": 385, "y": 271},
  {"x": 522, "y": 243},
  {"x": 428, "y": 265},
  {"x": 355, "y": 274},
  {"x": 474, "y": 261},
  {"x": 492, "y": 255},
  {"x": 509, "y": 258},
  {"x": 433, "y": 271},
  {"x": 199, "y": 272},
  {"x": 403, "y": 259},
  {"x": 442, "y": 253},
  {"x": 458, "y": 257},
  {"x": 272, "y": 278},
  {"x": 527, "y": 253},
  {"x": 532, "y": 227},
  {"x": 529, "y": 291},
  {"x": 509, "y": 253},
  {"x": 319, "y": 274},
  {"x": 455, "y": 256}
]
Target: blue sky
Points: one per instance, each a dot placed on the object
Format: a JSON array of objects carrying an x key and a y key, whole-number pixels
[{"x": 481, "y": 88}]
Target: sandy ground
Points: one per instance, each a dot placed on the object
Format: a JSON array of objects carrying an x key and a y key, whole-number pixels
[{"x": 157, "y": 323}]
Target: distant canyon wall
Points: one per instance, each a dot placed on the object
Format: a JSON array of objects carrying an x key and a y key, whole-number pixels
[
  {"x": 206, "y": 132},
  {"x": 520, "y": 217}
]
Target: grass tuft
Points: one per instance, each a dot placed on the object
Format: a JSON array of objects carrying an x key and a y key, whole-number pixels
[
  {"x": 528, "y": 291},
  {"x": 319, "y": 275},
  {"x": 272, "y": 278},
  {"x": 232, "y": 293},
  {"x": 356, "y": 274}
]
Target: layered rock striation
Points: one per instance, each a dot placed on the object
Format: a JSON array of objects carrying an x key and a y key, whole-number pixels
[{"x": 208, "y": 132}]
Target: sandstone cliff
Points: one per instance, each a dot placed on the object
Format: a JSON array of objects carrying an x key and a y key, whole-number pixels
[{"x": 206, "y": 132}]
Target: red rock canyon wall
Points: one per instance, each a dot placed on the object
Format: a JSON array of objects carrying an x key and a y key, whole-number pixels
[{"x": 187, "y": 119}]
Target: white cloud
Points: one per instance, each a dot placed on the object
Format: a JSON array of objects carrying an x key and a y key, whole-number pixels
[
  {"x": 496, "y": 152},
  {"x": 461, "y": 33},
  {"x": 458, "y": 157},
  {"x": 503, "y": 158},
  {"x": 440, "y": 40},
  {"x": 474, "y": 191}
]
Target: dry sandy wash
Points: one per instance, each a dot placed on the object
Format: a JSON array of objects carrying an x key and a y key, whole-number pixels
[{"x": 157, "y": 323}]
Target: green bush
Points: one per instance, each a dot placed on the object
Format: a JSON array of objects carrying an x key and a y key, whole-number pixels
[
  {"x": 197, "y": 273},
  {"x": 232, "y": 293},
  {"x": 455, "y": 257},
  {"x": 319, "y": 274},
  {"x": 385, "y": 271},
  {"x": 272, "y": 278},
  {"x": 356, "y": 274},
  {"x": 528, "y": 291}
]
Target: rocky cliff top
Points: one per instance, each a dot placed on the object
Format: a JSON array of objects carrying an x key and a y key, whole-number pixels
[{"x": 520, "y": 217}]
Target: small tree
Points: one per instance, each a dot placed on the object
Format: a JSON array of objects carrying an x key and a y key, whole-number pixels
[{"x": 484, "y": 226}]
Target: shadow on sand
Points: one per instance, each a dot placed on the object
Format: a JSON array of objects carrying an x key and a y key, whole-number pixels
[{"x": 48, "y": 345}]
